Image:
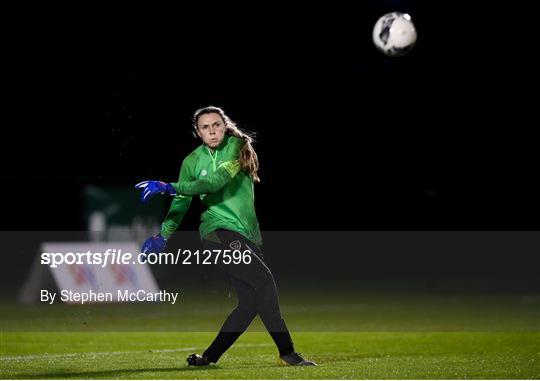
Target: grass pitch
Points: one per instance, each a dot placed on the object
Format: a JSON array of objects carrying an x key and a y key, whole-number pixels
[{"x": 354, "y": 335}]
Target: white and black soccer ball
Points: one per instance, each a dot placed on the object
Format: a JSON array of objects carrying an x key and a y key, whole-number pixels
[{"x": 394, "y": 34}]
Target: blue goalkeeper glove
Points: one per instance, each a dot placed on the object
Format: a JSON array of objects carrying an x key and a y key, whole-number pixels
[
  {"x": 152, "y": 187},
  {"x": 154, "y": 244}
]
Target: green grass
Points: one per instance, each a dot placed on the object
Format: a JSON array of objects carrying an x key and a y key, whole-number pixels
[
  {"x": 352, "y": 335},
  {"x": 352, "y": 355}
]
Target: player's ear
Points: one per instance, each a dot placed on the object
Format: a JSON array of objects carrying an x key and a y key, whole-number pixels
[{"x": 198, "y": 133}]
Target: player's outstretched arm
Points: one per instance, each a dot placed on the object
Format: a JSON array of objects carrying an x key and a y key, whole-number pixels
[
  {"x": 212, "y": 183},
  {"x": 224, "y": 173}
]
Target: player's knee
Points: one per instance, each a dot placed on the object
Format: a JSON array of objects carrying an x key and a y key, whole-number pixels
[{"x": 265, "y": 280}]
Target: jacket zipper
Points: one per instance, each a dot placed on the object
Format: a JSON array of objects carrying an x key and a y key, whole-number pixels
[{"x": 212, "y": 157}]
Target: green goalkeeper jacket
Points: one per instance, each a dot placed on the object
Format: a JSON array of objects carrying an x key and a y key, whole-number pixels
[{"x": 225, "y": 190}]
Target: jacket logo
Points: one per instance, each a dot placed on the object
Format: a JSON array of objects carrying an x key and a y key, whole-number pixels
[
  {"x": 204, "y": 172},
  {"x": 235, "y": 245}
]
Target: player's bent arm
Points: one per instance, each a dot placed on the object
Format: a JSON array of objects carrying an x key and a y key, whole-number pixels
[
  {"x": 178, "y": 209},
  {"x": 212, "y": 183},
  {"x": 180, "y": 203}
]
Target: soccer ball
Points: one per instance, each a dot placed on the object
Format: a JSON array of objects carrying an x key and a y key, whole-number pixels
[{"x": 394, "y": 34}]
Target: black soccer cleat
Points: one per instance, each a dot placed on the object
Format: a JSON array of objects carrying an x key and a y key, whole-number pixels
[
  {"x": 295, "y": 359},
  {"x": 197, "y": 360}
]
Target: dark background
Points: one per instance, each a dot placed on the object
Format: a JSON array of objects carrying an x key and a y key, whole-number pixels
[{"x": 348, "y": 139}]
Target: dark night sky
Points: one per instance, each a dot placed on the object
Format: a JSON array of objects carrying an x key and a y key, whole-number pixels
[{"x": 348, "y": 139}]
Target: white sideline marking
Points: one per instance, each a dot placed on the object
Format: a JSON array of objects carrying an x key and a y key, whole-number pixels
[{"x": 70, "y": 355}]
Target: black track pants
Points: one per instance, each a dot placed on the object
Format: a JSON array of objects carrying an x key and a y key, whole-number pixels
[{"x": 257, "y": 294}]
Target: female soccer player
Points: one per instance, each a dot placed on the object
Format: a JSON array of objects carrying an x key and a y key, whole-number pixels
[{"x": 222, "y": 171}]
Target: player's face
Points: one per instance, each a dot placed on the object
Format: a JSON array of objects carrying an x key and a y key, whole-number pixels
[{"x": 211, "y": 129}]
